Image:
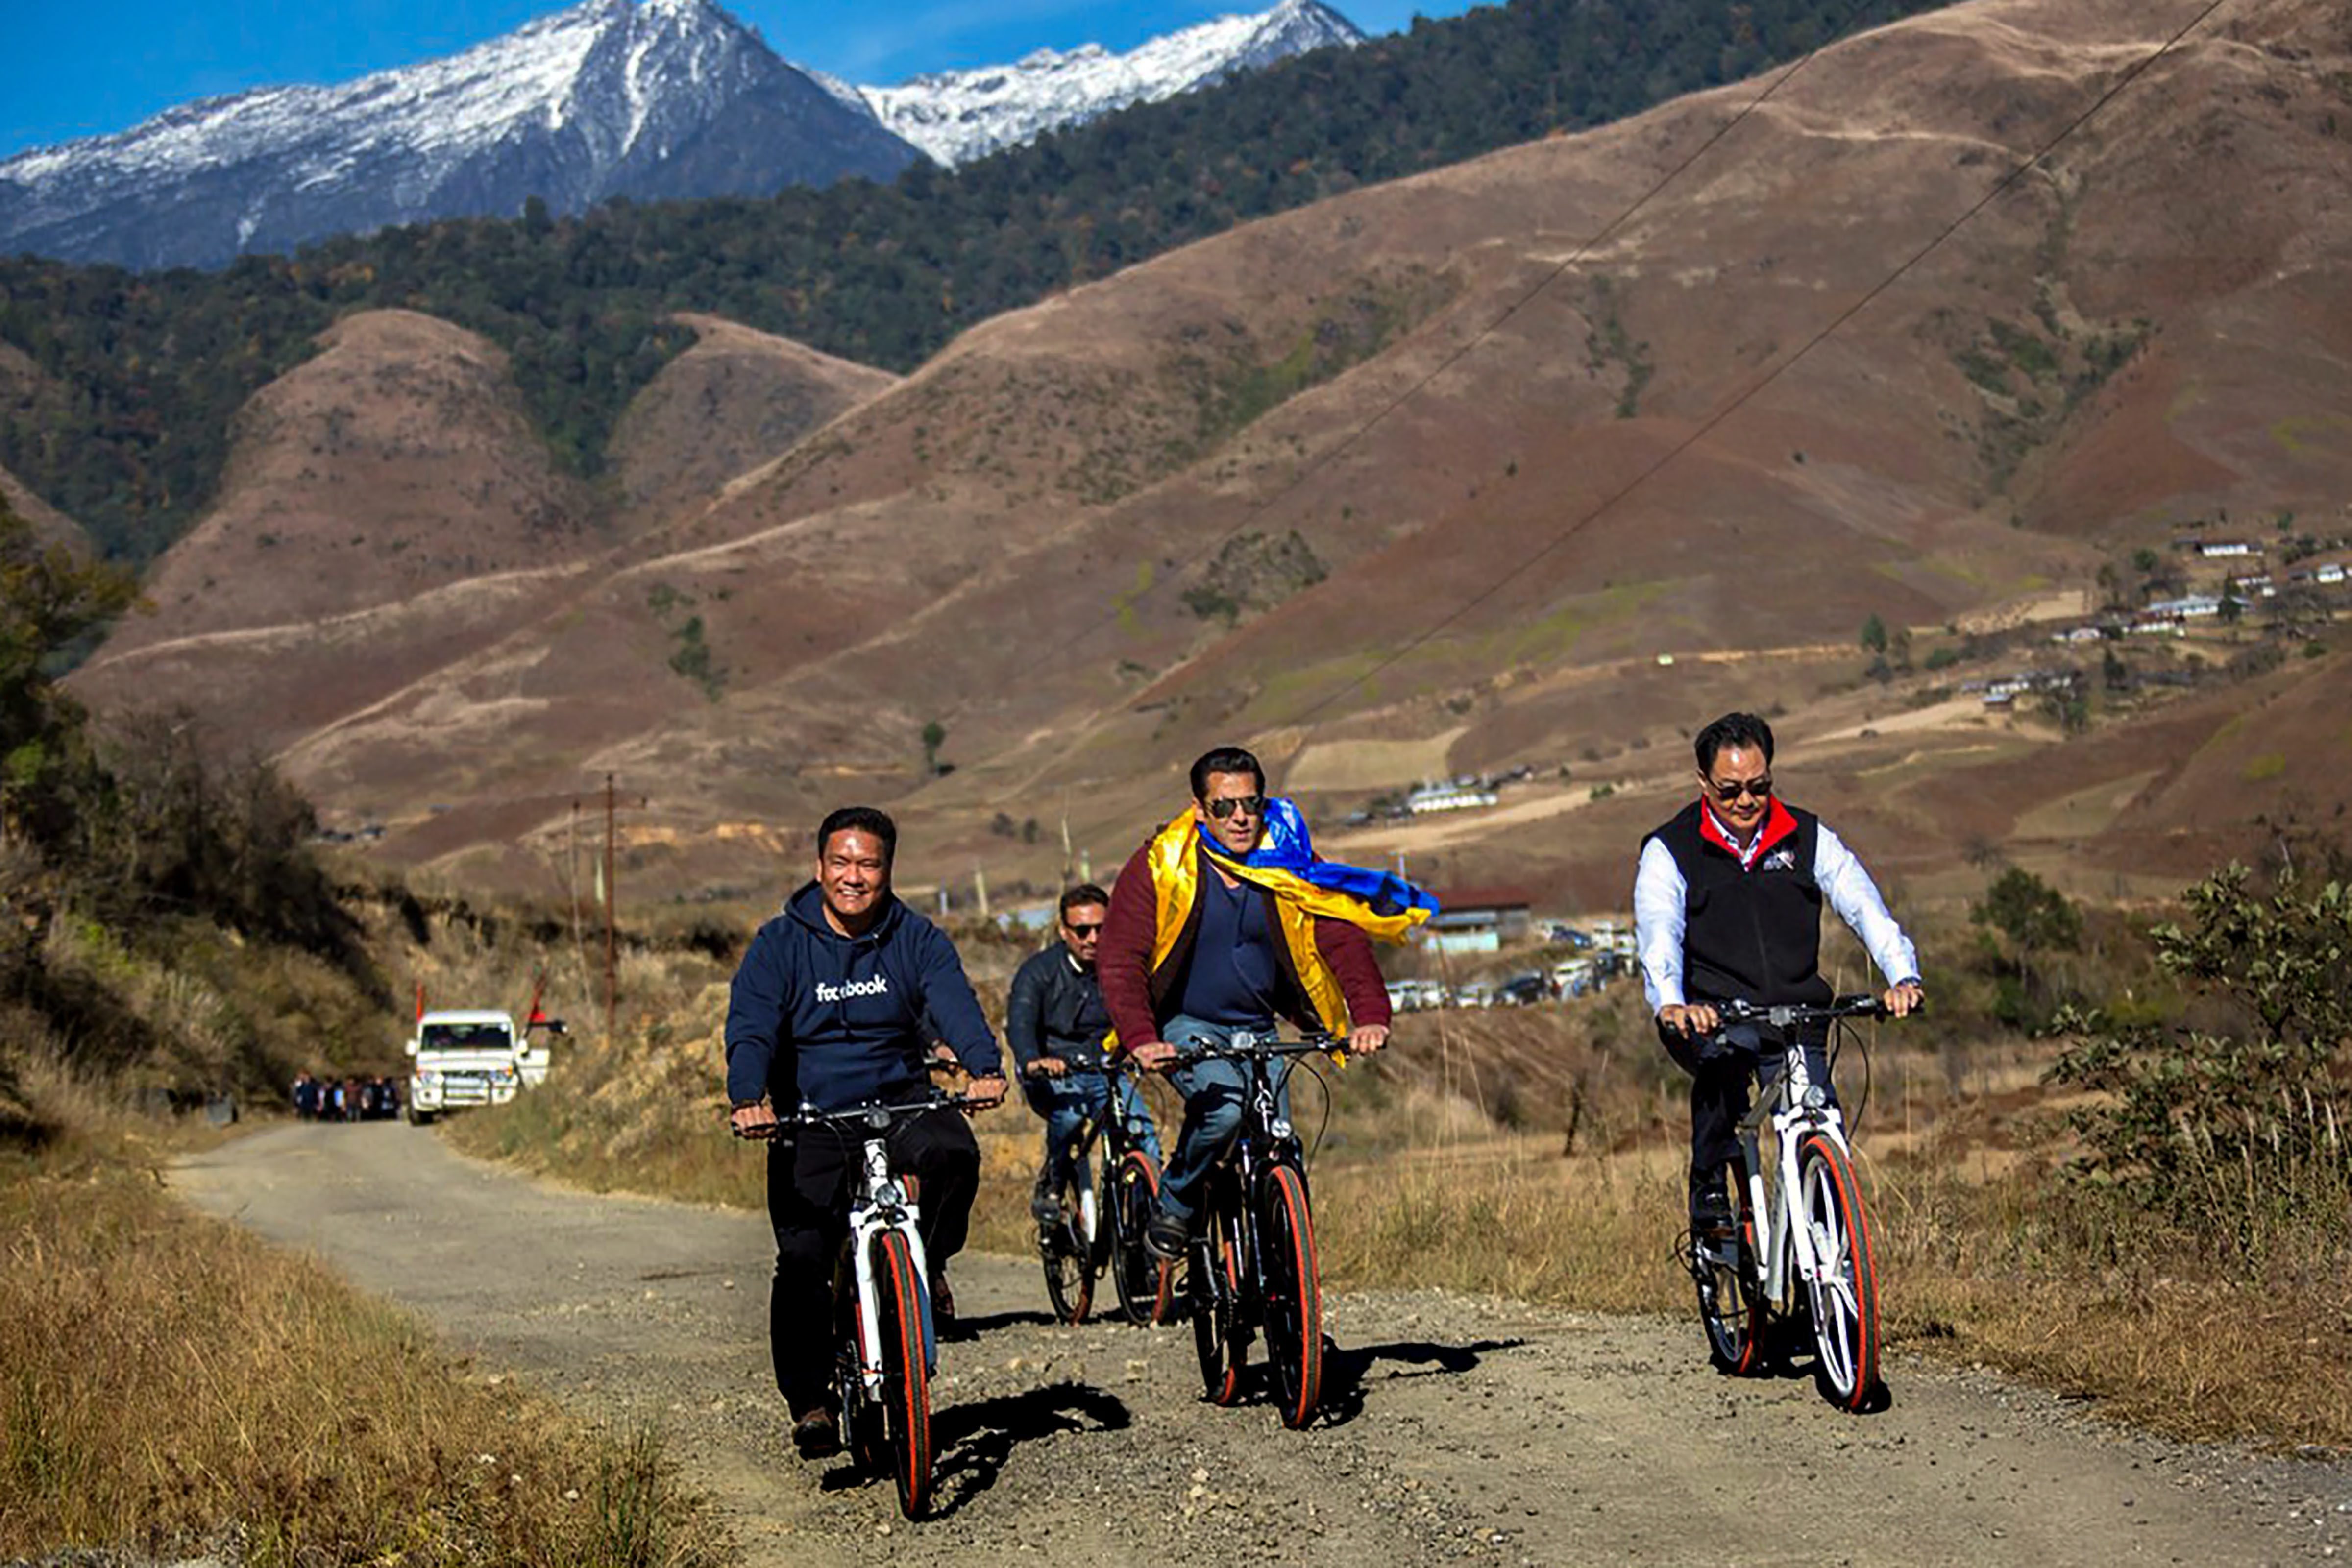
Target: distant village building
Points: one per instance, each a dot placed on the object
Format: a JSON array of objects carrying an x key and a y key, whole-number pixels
[
  {"x": 1476, "y": 919},
  {"x": 2156, "y": 626},
  {"x": 1430, "y": 797},
  {"x": 2218, "y": 549},
  {"x": 2190, "y": 607}
]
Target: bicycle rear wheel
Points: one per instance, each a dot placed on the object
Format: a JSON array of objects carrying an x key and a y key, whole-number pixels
[
  {"x": 862, "y": 1429},
  {"x": 1215, "y": 1277},
  {"x": 1069, "y": 1256},
  {"x": 1145, "y": 1284},
  {"x": 905, "y": 1370},
  {"x": 1845, "y": 1294},
  {"x": 1730, "y": 1304},
  {"x": 1293, "y": 1295}
]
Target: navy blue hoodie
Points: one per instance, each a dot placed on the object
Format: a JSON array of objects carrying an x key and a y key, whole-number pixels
[{"x": 832, "y": 1020}]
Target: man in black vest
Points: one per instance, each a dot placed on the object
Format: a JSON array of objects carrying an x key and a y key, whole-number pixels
[{"x": 1727, "y": 907}]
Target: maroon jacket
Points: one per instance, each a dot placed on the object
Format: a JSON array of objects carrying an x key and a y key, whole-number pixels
[{"x": 1140, "y": 1000}]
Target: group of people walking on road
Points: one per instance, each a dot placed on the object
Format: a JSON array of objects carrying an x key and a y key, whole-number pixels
[
  {"x": 344, "y": 1099},
  {"x": 1223, "y": 921}
]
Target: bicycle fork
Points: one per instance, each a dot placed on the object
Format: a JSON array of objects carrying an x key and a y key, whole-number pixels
[{"x": 887, "y": 1209}]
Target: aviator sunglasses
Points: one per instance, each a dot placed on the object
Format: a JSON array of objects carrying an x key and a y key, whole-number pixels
[
  {"x": 1248, "y": 805},
  {"x": 1759, "y": 788}
]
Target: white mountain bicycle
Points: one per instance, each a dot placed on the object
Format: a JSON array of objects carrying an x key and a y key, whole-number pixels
[
  {"x": 887, "y": 1348},
  {"x": 1798, "y": 1253}
]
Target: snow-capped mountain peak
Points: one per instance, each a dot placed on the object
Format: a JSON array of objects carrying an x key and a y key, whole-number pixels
[
  {"x": 957, "y": 116},
  {"x": 647, "y": 98},
  {"x": 607, "y": 98}
]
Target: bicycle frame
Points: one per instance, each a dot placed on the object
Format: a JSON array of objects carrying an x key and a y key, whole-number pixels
[
  {"x": 1114, "y": 1129},
  {"x": 880, "y": 1203},
  {"x": 1263, "y": 1111},
  {"x": 1256, "y": 1198},
  {"x": 1807, "y": 1229},
  {"x": 1794, "y": 1108}
]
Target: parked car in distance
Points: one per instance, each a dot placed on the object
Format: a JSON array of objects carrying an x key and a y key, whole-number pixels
[
  {"x": 1411, "y": 995},
  {"x": 1522, "y": 990}
]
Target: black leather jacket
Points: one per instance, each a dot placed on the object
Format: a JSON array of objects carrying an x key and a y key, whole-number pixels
[{"x": 1055, "y": 1008}]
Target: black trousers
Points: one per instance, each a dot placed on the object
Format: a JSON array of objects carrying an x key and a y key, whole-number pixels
[
  {"x": 1720, "y": 1077},
  {"x": 809, "y": 1187}
]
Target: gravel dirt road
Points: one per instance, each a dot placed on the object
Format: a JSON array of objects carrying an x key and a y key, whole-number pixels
[{"x": 1461, "y": 1428}]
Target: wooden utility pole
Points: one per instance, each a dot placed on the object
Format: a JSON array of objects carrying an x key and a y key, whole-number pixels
[{"x": 612, "y": 940}]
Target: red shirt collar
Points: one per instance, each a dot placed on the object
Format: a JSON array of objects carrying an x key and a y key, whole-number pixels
[{"x": 1778, "y": 825}]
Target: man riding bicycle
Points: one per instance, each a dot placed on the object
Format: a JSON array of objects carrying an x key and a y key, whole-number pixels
[
  {"x": 1727, "y": 908},
  {"x": 1223, "y": 921},
  {"x": 835, "y": 1004},
  {"x": 1055, "y": 1021}
]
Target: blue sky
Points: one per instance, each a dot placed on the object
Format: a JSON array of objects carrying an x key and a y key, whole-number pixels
[{"x": 83, "y": 70}]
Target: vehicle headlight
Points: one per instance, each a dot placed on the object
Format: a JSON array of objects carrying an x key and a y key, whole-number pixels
[{"x": 427, "y": 1077}]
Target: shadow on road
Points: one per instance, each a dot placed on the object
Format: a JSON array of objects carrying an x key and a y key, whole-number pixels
[
  {"x": 1344, "y": 1370},
  {"x": 975, "y": 1439},
  {"x": 987, "y": 1322}
]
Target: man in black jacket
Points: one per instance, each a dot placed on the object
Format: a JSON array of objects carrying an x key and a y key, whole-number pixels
[
  {"x": 1727, "y": 907},
  {"x": 829, "y": 1009},
  {"x": 1055, "y": 1021}
]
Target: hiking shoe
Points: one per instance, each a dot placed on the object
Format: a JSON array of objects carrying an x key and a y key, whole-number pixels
[
  {"x": 818, "y": 1435},
  {"x": 1164, "y": 1237},
  {"x": 1710, "y": 1215}
]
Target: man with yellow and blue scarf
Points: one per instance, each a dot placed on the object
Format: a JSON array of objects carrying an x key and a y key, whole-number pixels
[{"x": 1223, "y": 921}]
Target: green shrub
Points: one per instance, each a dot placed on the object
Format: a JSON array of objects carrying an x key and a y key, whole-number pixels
[{"x": 2235, "y": 1132}]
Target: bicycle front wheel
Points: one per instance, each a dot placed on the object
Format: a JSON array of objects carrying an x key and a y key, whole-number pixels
[
  {"x": 1730, "y": 1304},
  {"x": 1069, "y": 1256},
  {"x": 1843, "y": 1292},
  {"x": 1294, "y": 1296},
  {"x": 906, "y": 1370},
  {"x": 1145, "y": 1284}
]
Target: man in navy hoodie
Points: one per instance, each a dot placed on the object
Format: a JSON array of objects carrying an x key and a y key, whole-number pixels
[{"x": 835, "y": 1005}]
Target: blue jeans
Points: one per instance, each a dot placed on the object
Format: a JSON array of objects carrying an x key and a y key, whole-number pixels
[
  {"x": 1068, "y": 1102},
  {"x": 1214, "y": 1095}
]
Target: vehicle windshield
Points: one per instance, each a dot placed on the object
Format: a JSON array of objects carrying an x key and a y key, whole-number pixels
[{"x": 466, "y": 1036}]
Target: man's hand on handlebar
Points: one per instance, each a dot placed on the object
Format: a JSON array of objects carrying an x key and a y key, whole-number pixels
[
  {"x": 1688, "y": 1019},
  {"x": 1048, "y": 1066},
  {"x": 1368, "y": 1038},
  {"x": 1903, "y": 999},
  {"x": 756, "y": 1120},
  {"x": 1153, "y": 1055},
  {"x": 985, "y": 1094}
]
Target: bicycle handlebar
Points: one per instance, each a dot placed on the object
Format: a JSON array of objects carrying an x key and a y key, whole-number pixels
[
  {"x": 1786, "y": 1015},
  {"x": 875, "y": 1115},
  {"x": 1257, "y": 1049}
]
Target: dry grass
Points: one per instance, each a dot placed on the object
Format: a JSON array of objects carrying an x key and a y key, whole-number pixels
[{"x": 169, "y": 1383}]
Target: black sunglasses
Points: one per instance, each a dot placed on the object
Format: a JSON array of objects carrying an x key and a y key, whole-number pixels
[
  {"x": 1759, "y": 788},
  {"x": 1247, "y": 805},
  {"x": 1076, "y": 930}
]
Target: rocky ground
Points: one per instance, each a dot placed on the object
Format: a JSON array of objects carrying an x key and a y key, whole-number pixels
[{"x": 1458, "y": 1429}]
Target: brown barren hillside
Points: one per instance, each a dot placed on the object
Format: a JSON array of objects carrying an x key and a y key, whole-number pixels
[
  {"x": 734, "y": 400},
  {"x": 1448, "y": 465},
  {"x": 386, "y": 507}
]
